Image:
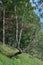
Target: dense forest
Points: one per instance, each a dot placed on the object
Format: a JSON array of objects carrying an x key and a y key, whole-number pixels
[{"x": 21, "y": 33}]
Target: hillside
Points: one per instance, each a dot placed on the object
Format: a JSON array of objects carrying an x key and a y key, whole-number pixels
[
  {"x": 19, "y": 59},
  {"x": 21, "y": 35},
  {"x": 23, "y": 59}
]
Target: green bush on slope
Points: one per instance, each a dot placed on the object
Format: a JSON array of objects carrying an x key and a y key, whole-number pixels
[
  {"x": 22, "y": 59},
  {"x": 5, "y": 61},
  {"x": 1, "y": 63},
  {"x": 6, "y": 50},
  {"x": 25, "y": 59}
]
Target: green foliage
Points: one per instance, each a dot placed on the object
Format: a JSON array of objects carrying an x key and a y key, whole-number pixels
[
  {"x": 40, "y": 44},
  {"x": 31, "y": 26},
  {"x": 23, "y": 59},
  {"x": 28, "y": 60},
  {"x": 7, "y": 50},
  {"x": 5, "y": 61},
  {"x": 31, "y": 21},
  {"x": 36, "y": 48}
]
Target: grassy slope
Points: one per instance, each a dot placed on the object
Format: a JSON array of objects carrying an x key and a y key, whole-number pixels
[
  {"x": 22, "y": 59},
  {"x": 5, "y": 61},
  {"x": 6, "y": 50},
  {"x": 25, "y": 59}
]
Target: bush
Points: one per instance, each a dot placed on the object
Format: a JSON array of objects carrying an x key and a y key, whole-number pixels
[
  {"x": 25, "y": 59},
  {"x": 7, "y": 50}
]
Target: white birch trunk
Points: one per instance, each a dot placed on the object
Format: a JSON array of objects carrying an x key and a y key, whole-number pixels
[
  {"x": 16, "y": 26},
  {"x": 22, "y": 26}
]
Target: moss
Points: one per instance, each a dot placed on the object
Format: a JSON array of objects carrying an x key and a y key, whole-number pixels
[{"x": 6, "y": 50}]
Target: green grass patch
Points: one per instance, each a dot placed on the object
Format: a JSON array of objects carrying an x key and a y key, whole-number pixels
[
  {"x": 5, "y": 61},
  {"x": 25, "y": 59},
  {"x": 7, "y": 50},
  {"x": 22, "y": 59}
]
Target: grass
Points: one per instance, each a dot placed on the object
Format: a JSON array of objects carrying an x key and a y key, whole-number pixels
[
  {"x": 6, "y": 50},
  {"x": 5, "y": 61},
  {"x": 22, "y": 59},
  {"x": 25, "y": 59}
]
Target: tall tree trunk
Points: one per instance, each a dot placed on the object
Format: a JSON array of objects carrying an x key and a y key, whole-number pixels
[
  {"x": 16, "y": 30},
  {"x": 3, "y": 25},
  {"x": 18, "y": 40},
  {"x": 16, "y": 27},
  {"x": 22, "y": 25},
  {"x": 20, "y": 33}
]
